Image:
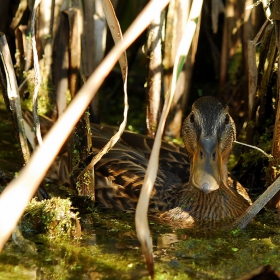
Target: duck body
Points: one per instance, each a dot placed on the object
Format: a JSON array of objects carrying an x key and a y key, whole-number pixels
[{"x": 192, "y": 184}]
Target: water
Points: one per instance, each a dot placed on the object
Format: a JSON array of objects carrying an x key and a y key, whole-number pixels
[{"x": 109, "y": 248}]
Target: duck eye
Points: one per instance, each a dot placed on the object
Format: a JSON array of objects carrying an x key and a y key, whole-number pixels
[
  {"x": 227, "y": 119},
  {"x": 192, "y": 118}
]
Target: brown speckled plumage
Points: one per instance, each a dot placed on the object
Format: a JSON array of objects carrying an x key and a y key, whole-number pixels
[{"x": 177, "y": 197}]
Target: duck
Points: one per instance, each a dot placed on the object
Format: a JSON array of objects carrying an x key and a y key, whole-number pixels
[{"x": 193, "y": 185}]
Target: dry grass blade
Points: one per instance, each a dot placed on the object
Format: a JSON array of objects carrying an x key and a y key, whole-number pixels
[
  {"x": 115, "y": 29},
  {"x": 254, "y": 147},
  {"x": 256, "y": 207},
  {"x": 266, "y": 8},
  {"x": 116, "y": 32},
  {"x": 141, "y": 221},
  {"x": 37, "y": 77},
  {"x": 17, "y": 194}
]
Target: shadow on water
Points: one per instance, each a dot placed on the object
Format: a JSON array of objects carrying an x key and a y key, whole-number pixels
[{"x": 109, "y": 248}]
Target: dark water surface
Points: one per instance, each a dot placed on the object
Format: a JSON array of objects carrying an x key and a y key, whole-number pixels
[{"x": 109, "y": 248}]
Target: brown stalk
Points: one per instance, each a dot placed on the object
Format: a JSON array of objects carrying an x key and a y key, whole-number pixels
[
  {"x": 19, "y": 55},
  {"x": 60, "y": 65},
  {"x": 27, "y": 50},
  {"x": 80, "y": 144},
  {"x": 37, "y": 76},
  {"x": 253, "y": 72},
  {"x": 267, "y": 54},
  {"x": 252, "y": 77},
  {"x": 226, "y": 43},
  {"x": 88, "y": 173},
  {"x": 270, "y": 53},
  {"x": 11, "y": 96},
  {"x": 178, "y": 106},
  {"x": 74, "y": 19},
  {"x": 275, "y": 150},
  {"x": 217, "y": 7},
  {"x": 19, "y": 13},
  {"x": 155, "y": 71},
  {"x": 177, "y": 16},
  {"x": 94, "y": 43}
]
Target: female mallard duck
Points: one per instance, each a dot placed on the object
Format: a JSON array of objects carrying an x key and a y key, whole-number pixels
[{"x": 192, "y": 183}]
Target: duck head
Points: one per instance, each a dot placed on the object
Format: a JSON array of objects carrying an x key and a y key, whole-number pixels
[{"x": 208, "y": 133}]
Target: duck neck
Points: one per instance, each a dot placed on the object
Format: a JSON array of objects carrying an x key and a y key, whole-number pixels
[{"x": 224, "y": 175}]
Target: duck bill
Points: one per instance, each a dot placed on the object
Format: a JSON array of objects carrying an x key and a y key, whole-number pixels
[{"x": 206, "y": 169}]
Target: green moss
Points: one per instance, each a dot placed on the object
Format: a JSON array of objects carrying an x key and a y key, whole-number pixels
[
  {"x": 54, "y": 217},
  {"x": 84, "y": 183},
  {"x": 254, "y": 157},
  {"x": 229, "y": 255}
]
